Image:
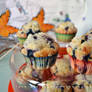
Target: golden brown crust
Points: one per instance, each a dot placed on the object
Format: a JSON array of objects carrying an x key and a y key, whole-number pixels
[
  {"x": 47, "y": 51},
  {"x": 43, "y": 52},
  {"x": 62, "y": 67},
  {"x": 66, "y": 28},
  {"x": 81, "y": 47},
  {"x": 41, "y": 44}
]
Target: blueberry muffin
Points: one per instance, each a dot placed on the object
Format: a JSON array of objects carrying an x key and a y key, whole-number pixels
[
  {"x": 80, "y": 50},
  {"x": 85, "y": 84},
  {"x": 62, "y": 67},
  {"x": 41, "y": 49},
  {"x": 62, "y": 70},
  {"x": 82, "y": 85},
  {"x": 31, "y": 27},
  {"x": 65, "y": 31},
  {"x": 54, "y": 86},
  {"x": 78, "y": 86}
]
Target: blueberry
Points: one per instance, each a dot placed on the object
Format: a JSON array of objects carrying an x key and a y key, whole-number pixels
[
  {"x": 82, "y": 41},
  {"x": 82, "y": 69},
  {"x": 30, "y": 32},
  {"x": 38, "y": 31},
  {"x": 74, "y": 85},
  {"x": 66, "y": 28},
  {"x": 86, "y": 37},
  {"x": 19, "y": 71},
  {"x": 90, "y": 82},
  {"x": 90, "y": 32},
  {"x": 49, "y": 39},
  {"x": 29, "y": 53},
  {"x": 74, "y": 53},
  {"x": 62, "y": 88},
  {"x": 81, "y": 86},
  {"x": 35, "y": 37},
  {"x": 85, "y": 58},
  {"x": 52, "y": 47}
]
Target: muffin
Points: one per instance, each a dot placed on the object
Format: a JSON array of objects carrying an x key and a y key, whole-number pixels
[
  {"x": 80, "y": 51},
  {"x": 65, "y": 31},
  {"x": 63, "y": 71},
  {"x": 82, "y": 85},
  {"x": 54, "y": 86},
  {"x": 31, "y": 27},
  {"x": 41, "y": 49},
  {"x": 78, "y": 86},
  {"x": 62, "y": 67}
]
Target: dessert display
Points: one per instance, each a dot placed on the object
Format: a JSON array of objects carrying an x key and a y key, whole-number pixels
[
  {"x": 48, "y": 67},
  {"x": 65, "y": 31},
  {"x": 80, "y": 53}
]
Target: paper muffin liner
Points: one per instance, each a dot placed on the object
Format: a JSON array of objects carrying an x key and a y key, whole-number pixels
[
  {"x": 43, "y": 62},
  {"x": 21, "y": 40},
  {"x": 76, "y": 64},
  {"x": 64, "y": 37}
]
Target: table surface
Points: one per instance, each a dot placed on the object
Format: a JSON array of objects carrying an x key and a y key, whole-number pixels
[{"x": 5, "y": 72}]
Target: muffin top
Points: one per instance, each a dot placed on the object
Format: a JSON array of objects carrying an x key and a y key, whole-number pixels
[
  {"x": 31, "y": 27},
  {"x": 83, "y": 85},
  {"x": 66, "y": 28},
  {"x": 81, "y": 47},
  {"x": 41, "y": 44},
  {"x": 54, "y": 86},
  {"x": 62, "y": 67}
]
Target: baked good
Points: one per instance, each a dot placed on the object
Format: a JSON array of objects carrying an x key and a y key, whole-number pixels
[
  {"x": 82, "y": 85},
  {"x": 62, "y": 71},
  {"x": 65, "y": 31},
  {"x": 62, "y": 67},
  {"x": 41, "y": 49},
  {"x": 54, "y": 86},
  {"x": 31, "y": 27},
  {"x": 80, "y": 51},
  {"x": 78, "y": 86}
]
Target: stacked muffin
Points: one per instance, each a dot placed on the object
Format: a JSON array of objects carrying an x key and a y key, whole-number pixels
[
  {"x": 31, "y": 27},
  {"x": 80, "y": 51}
]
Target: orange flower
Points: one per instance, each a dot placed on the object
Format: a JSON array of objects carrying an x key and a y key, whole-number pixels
[
  {"x": 40, "y": 19},
  {"x": 5, "y": 29}
]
